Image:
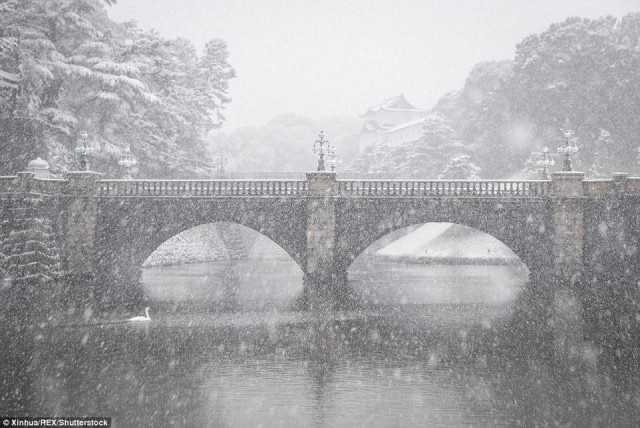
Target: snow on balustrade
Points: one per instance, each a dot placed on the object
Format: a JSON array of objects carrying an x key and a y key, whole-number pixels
[
  {"x": 484, "y": 188},
  {"x": 202, "y": 187},
  {"x": 348, "y": 188}
]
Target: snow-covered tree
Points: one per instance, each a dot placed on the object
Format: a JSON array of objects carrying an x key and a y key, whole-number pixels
[
  {"x": 460, "y": 168},
  {"x": 78, "y": 70}
]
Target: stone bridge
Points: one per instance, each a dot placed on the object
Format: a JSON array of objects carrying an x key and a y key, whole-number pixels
[{"x": 566, "y": 230}]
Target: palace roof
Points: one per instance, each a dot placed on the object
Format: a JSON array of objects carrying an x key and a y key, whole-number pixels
[{"x": 398, "y": 103}]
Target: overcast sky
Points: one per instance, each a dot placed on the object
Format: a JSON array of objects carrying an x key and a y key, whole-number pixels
[{"x": 335, "y": 58}]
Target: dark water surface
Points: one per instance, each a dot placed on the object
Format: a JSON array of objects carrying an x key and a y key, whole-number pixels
[{"x": 432, "y": 346}]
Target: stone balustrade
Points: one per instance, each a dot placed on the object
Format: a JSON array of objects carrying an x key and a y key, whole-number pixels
[
  {"x": 290, "y": 187},
  {"x": 202, "y": 188},
  {"x": 483, "y": 188}
]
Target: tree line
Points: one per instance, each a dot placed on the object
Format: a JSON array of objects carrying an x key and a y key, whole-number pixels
[
  {"x": 65, "y": 68},
  {"x": 583, "y": 70}
]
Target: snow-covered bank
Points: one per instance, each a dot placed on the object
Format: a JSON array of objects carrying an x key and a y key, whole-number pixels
[
  {"x": 211, "y": 242},
  {"x": 199, "y": 244},
  {"x": 432, "y": 243},
  {"x": 446, "y": 243}
]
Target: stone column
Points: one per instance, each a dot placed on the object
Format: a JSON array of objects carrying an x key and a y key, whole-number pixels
[
  {"x": 566, "y": 314},
  {"x": 568, "y": 221},
  {"x": 321, "y": 278},
  {"x": 81, "y": 210}
]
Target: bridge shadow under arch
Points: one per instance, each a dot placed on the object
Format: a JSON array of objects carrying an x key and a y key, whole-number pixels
[
  {"x": 436, "y": 254},
  {"x": 128, "y": 231},
  {"x": 218, "y": 267},
  {"x": 521, "y": 225}
]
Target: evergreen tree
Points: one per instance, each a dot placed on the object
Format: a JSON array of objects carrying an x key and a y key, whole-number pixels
[
  {"x": 460, "y": 168},
  {"x": 78, "y": 70}
]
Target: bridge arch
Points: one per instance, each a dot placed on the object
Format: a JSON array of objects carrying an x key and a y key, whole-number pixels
[
  {"x": 524, "y": 226},
  {"x": 441, "y": 241},
  {"x": 128, "y": 230}
]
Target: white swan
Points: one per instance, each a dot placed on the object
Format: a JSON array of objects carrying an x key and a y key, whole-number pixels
[{"x": 146, "y": 316}]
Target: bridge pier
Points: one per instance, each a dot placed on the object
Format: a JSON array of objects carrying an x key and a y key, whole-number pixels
[
  {"x": 568, "y": 226},
  {"x": 567, "y": 280},
  {"x": 325, "y": 280},
  {"x": 79, "y": 230}
]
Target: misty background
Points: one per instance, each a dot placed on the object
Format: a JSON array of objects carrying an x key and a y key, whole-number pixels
[{"x": 192, "y": 86}]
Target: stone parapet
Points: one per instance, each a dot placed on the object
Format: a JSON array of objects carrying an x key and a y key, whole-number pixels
[
  {"x": 7, "y": 183},
  {"x": 567, "y": 184},
  {"x": 633, "y": 185},
  {"x": 322, "y": 183},
  {"x": 597, "y": 188},
  {"x": 83, "y": 183}
]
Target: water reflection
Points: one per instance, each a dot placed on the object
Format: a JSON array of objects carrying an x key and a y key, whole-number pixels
[{"x": 233, "y": 357}]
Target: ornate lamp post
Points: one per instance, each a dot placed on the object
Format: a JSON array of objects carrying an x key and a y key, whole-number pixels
[
  {"x": 127, "y": 161},
  {"x": 545, "y": 162},
  {"x": 568, "y": 148},
  {"x": 333, "y": 160},
  {"x": 321, "y": 150},
  {"x": 83, "y": 151}
]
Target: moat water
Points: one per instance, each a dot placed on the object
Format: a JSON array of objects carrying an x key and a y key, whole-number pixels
[{"x": 429, "y": 346}]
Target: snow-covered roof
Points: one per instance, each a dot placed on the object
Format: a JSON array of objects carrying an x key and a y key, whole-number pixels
[
  {"x": 373, "y": 127},
  {"x": 398, "y": 103},
  {"x": 405, "y": 125}
]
